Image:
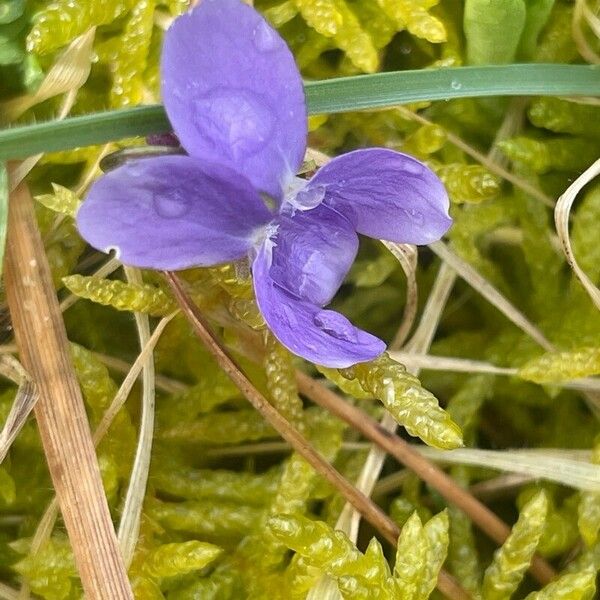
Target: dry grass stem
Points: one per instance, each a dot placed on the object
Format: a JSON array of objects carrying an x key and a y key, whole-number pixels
[
  {"x": 511, "y": 125},
  {"x": 407, "y": 256},
  {"x": 22, "y": 405},
  {"x": 498, "y": 487},
  {"x": 12, "y": 369},
  {"x": 465, "y": 365},
  {"x": 46, "y": 524},
  {"x": 163, "y": 383},
  {"x": 541, "y": 464},
  {"x": 561, "y": 219},
  {"x": 349, "y": 519},
  {"x": 571, "y": 468},
  {"x": 8, "y": 593},
  {"x": 130, "y": 379},
  {"x": 129, "y": 526},
  {"x": 68, "y": 73},
  {"x": 490, "y": 293},
  {"x": 60, "y": 412},
  {"x": 584, "y": 15}
]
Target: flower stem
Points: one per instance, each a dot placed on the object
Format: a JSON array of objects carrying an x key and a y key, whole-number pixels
[{"x": 301, "y": 445}]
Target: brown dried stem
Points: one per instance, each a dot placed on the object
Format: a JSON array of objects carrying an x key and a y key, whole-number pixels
[
  {"x": 299, "y": 443},
  {"x": 427, "y": 471},
  {"x": 60, "y": 413}
]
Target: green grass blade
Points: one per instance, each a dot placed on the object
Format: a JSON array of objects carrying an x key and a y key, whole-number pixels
[
  {"x": 403, "y": 87},
  {"x": 4, "y": 191},
  {"x": 328, "y": 96},
  {"x": 86, "y": 130}
]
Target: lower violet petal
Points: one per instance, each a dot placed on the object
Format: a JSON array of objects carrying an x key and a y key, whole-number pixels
[
  {"x": 312, "y": 253},
  {"x": 172, "y": 212},
  {"x": 386, "y": 195},
  {"x": 319, "y": 335}
]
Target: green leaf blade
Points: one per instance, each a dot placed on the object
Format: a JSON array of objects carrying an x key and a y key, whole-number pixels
[{"x": 328, "y": 96}]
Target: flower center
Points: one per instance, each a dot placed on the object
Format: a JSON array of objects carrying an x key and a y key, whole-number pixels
[
  {"x": 297, "y": 197},
  {"x": 264, "y": 235}
]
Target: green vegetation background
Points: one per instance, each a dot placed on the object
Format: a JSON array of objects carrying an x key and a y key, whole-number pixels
[{"x": 223, "y": 511}]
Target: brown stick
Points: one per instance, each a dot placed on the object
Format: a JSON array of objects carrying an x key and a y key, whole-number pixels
[
  {"x": 367, "y": 508},
  {"x": 60, "y": 413},
  {"x": 428, "y": 472}
]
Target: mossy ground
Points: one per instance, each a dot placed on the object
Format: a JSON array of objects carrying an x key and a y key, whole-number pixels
[{"x": 225, "y": 502}]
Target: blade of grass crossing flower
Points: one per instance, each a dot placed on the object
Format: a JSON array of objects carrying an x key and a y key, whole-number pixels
[
  {"x": 4, "y": 191},
  {"x": 328, "y": 96},
  {"x": 404, "y": 87}
]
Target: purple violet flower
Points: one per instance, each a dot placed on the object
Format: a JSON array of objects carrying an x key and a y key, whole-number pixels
[{"x": 234, "y": 96}]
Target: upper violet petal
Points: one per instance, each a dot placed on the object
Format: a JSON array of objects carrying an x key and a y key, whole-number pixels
[
  {"x": 172, "y": 212},
  {"x": 233, "y": 93},
  {"x": 312, "y": 252},
  {"x": 386, "y": 195},
  {"x": 322, "y": 336}
]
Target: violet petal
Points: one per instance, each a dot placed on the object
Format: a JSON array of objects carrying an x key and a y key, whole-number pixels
[
  {"x": 233, "y": 93},
  {"x": 313, "y": 252},
  {"x": 386, "y": 195},
  {"x": 172, "y": 212},
  {"x": 322, "y": 336}
]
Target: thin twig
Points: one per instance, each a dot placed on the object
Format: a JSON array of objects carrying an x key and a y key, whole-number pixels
[
  {"x": 164, "y": 383},
  {"x": 388, "y": 529},
  {"x": 427, "y": 471},
  {"x": 42, "y": 341},
  {"x": 300, "y": 444}
]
